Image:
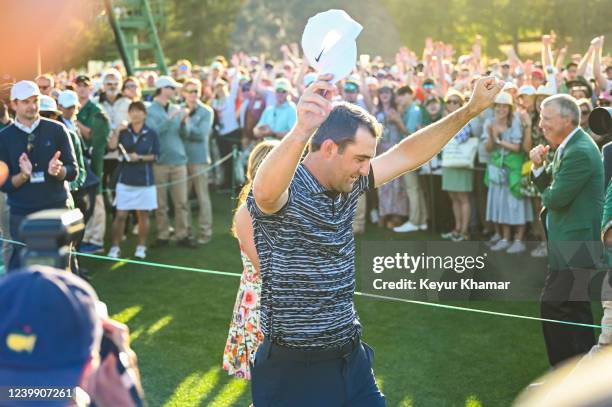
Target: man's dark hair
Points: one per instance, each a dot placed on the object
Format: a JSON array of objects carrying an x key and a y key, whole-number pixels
[
  {"x": 570, "y": 65},
  {"x": 403, "y": 90},
  {"x": 137, "y": 105},
  {"x": 2, "y": 108},
  {"x": 341, "y": 126}
]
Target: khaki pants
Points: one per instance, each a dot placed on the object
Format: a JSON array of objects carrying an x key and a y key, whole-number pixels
[
  {"x": 360, "y": 215},
  {"x": 173, "y": 174},
  {"x": 416, "y": 199},
  {"x": 96, "y": 226},
  {"x": 200, "y": 183}
]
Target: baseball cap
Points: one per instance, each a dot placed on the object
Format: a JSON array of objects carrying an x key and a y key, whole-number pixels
[
  {"x": 216, "y": 65},
  {"x": 47, "y": 104},
  {"x": 282, "y": 84},
  {"x": 49, "y": 327},
  {"x": 68, "y": 98},
  {"x": 112, "y": 72},
  {"x": 23, "y": 90},
  {"x": 351, "y": 87},
  {"x": 84, "y": 79},
  {"x": 503, "y": 98},
  {"x": 508, "y": 86},
  {"x": 527, "y": 90},
  {"x": 537, "y": 73},
  {"x": 165, "y": 81}
]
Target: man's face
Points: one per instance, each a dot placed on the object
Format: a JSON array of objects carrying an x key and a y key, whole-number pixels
[
  {"x": 281, "y": 96},
  {"x": 351, "y": 95},
  {"x": 505, "y": 70},
  {"x": 536, "y": 81},
  {"x": 83, "y": 90},
  {"x": 26, "y": 109},
  {"x": 572, "y": 73},
  {"x": 111, "y": 85},
  {"x": 67, "y": 112},
  {"x": 167, "y": 92},
  {"x": 404, "y": 100},
  {"x": 609, "y": 73},
  {"x": 554, "y": 127},
  {"x": 44, "y": 85},
  {"x": 354, "y": 161},
  {"x": 137, "y": 116}
]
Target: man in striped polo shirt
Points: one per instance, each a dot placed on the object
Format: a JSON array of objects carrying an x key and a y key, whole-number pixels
[{"x": 302, "y": 214}]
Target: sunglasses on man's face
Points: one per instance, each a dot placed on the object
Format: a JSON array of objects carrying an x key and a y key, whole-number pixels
[
  {"x": 585, "y": 112},
  {"x": 44, "y": 87},
  {"x": 131, "y": 86},
  {"x": 192, "y": 91},
  {"x": 111, "y": 84},
  {"x": 453, "y": 102},
  {"x": 283, "y": 91}
]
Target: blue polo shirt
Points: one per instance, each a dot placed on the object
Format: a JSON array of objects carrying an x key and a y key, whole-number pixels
[
  {"x": 281, "y": 118},
  {"x": 307, "y": 264},
  {"x": 145, "y": 142}
]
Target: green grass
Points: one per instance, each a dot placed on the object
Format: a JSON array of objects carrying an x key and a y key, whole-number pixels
[{"x": 425, "y": 356}]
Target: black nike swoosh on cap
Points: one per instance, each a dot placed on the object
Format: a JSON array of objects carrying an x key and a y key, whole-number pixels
[{"x": 319, "y": 57}]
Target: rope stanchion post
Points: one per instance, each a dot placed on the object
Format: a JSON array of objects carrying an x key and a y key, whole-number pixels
[{"x": 235, "y": 164}]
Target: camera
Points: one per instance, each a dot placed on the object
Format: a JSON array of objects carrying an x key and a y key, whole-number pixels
[
  {"x": 600, "y": 121},
  {"x": 48, "y": 235}
]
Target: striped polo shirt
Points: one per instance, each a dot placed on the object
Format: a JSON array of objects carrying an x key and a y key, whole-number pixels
[{"x": 307, "y": 264}]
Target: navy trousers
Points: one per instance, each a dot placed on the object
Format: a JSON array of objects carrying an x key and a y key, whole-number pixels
[{"x": 287, "y": 377}]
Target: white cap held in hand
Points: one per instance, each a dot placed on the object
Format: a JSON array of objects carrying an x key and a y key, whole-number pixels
[{"x": 329, "y": 43}]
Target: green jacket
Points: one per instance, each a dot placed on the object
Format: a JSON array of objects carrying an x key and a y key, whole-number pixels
[
  {"x": 572, "y": 200},
  {"x": 606, "y": 221},
  {"x": 92, "y": 116},
  {"x": 78, "y": 152}
]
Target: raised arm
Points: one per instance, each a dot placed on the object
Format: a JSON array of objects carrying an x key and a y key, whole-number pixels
[
  {"x": 599, "y": 76},
  {"x": 420, "y": 147},
  {"x": 271, "y": 183}
]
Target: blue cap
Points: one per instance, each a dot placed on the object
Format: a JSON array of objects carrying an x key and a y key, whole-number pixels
[{"x": 49, "y": 327}]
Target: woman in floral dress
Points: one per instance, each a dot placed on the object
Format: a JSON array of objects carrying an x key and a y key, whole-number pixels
[{"x": 244, "y": 332}]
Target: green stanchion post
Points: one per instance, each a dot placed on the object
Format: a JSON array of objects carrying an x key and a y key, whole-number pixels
[{"x": 235, "y": 163}]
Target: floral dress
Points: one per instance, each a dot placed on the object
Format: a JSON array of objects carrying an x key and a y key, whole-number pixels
[{"x": 244, "y": 332}]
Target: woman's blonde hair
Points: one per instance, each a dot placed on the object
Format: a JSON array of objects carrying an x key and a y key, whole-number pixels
[{"x": 260, "y": 151}]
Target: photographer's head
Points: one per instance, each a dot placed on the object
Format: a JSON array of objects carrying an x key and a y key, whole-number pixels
[
  {"x": 50, "y": 331},
  {"x": 52, "y": 326},
  {"x": 344, "y": 145}
]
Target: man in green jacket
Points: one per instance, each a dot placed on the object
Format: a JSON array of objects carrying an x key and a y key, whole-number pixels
[
  {"x": 572, "y": 200},
  {"x": 605, "y": 338},
  {"x": 94, "y": 127}
]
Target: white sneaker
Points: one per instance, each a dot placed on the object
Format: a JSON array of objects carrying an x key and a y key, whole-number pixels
[
  {"x": 406, "y": 227},
  {"x": 114, "y": 252},
  {"x": 374, "y": 216},
  {"x": 501, "y": 244},
  {"x": 494, "y": 239},
  {"x": 141, "y": 252},
  {"x": 423, "y": 226},
  {"x": 540, "y": 251},
  {"x": 518, "y": 246}
]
